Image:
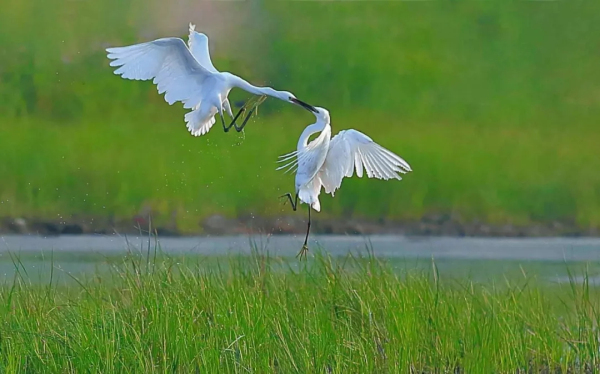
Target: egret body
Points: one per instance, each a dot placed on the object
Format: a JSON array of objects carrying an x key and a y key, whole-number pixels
[
  {"x": 185, "y": 73},
  {"x": 325, "y": 161}
]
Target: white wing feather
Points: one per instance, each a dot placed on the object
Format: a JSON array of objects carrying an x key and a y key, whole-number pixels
[
  {"x": 169, "y": 63},
  {"x": 308, "y": 160},
  {"x": 308, "y": 164},
  {"x": 198, "y": 45},
  {"x": 350, "y": 150}
]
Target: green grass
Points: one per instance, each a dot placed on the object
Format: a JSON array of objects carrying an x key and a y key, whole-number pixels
[
  {"x": 494, "y": 105},
  {"x": 484, "y": 174},
  {"x": 264, "y": 314}
]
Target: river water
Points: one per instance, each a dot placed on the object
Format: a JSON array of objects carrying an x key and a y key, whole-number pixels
[
  {"x": 391, "y": 246},
  {"x": 470, "y": 255}
]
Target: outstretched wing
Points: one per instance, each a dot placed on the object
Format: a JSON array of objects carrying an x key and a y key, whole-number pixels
[
  {"x": 169, "y": 63},
  {"x": 351, "y": 149},
  {"x": 198, "y": 45}
]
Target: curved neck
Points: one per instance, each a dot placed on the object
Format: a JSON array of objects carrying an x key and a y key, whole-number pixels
[
  {"x": 319, "y": 126},
  {"x": 236, "y": 81}
]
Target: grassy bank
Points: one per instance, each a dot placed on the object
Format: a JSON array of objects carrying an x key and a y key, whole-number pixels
[
  {"x": 494, "y": 106},
  {"x": 260, "y": 314}
]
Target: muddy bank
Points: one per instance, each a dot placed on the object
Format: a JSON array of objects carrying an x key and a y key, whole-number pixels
[{"x": 433, "y": 225}]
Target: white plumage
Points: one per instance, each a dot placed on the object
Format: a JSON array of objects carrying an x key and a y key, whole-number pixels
[
  {"x": 186, "y": 74},
  {"x": 325, "y": 162},
  {"x": 198, "y": 45}
]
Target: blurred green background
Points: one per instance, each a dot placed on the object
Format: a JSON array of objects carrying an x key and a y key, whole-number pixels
[{"x": 494, "y": 104}]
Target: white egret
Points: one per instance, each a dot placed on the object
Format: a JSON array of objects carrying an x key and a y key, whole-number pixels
[
  {"x": 185, "y": 73},
  {"x": 324, "y": 162}
]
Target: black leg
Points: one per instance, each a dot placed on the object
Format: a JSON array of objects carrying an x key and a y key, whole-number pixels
[
  {"x": 254, "y": 103},
  {"x": 294, "y": 203},
  {"x": 308, "y": 228},
  {"x": 227, "y": 128},
  {"x": 223, "y": 122},
  {"x": 238, "y": 129},
  {"x": 304, "y": 249}
]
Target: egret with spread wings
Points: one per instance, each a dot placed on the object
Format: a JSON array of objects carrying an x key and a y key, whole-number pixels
[
  {"x": 324, "y": 162},
  {"x": 185, "y": 73}
]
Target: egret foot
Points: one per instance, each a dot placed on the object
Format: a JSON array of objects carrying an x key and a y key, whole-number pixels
[
  {"x": 259, "y": 101},
  {"x": 251, "y": 106},
  {"x": 289, "y": 198},
  {"x": 303, "y": 252}
]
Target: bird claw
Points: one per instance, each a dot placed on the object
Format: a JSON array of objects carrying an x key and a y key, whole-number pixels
[
  {"x": 284, "y": 201},
  {"x": 303, "y": 252},
  {"x": 257, "y": 102},
  {"x": 247, "y": 104},
  {"x": 254, "y": 102}
]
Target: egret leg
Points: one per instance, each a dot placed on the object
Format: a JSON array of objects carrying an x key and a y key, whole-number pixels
[
  {"x": 294, "y": 202},
  {"x": 238, "y": 129},
  {"x": 223, "y": 122},
  {"x": 253, "y": 103},
  {"x": 227, "y": 128},
  {"x": 304, "y": 249}
]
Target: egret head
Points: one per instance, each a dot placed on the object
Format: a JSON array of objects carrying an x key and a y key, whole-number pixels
[{"x": 321, "y": 114}]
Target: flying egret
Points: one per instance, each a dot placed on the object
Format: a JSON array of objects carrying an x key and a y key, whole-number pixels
[
  {"x": 324, "y": 162},
  {"x": 185, "y": 73}
]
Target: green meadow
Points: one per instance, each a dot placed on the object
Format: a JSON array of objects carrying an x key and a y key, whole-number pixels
[
  {"x": 258, "y": 313},
  {"x": 494, "y": 105}
]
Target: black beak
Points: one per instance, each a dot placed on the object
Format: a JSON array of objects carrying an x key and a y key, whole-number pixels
[{"x": 304, "y": 105}]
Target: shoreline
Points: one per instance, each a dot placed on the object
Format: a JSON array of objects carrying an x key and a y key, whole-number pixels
[{"x": 217, "y": 225}]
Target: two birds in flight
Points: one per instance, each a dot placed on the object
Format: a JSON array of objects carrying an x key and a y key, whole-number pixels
[{"x": 185, "y": 73}]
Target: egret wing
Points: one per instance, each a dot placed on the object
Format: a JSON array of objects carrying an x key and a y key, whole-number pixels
[
  {"x": 290, "y": 160},
  {"x": 306, "y": 161},
  {"x": 311, "y": 159},
  {"x": 198, "y": 45},
  {"x": 169, "y": 63},
  {"x": 352, "y": 150}
]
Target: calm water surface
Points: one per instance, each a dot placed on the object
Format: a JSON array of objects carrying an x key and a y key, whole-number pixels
[{"x": 478, "y": 257}]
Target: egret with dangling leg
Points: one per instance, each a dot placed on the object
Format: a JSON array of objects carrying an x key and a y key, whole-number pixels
[
  {"x": 325, "y": 161},
  {"x": 186, "y": 74}
]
